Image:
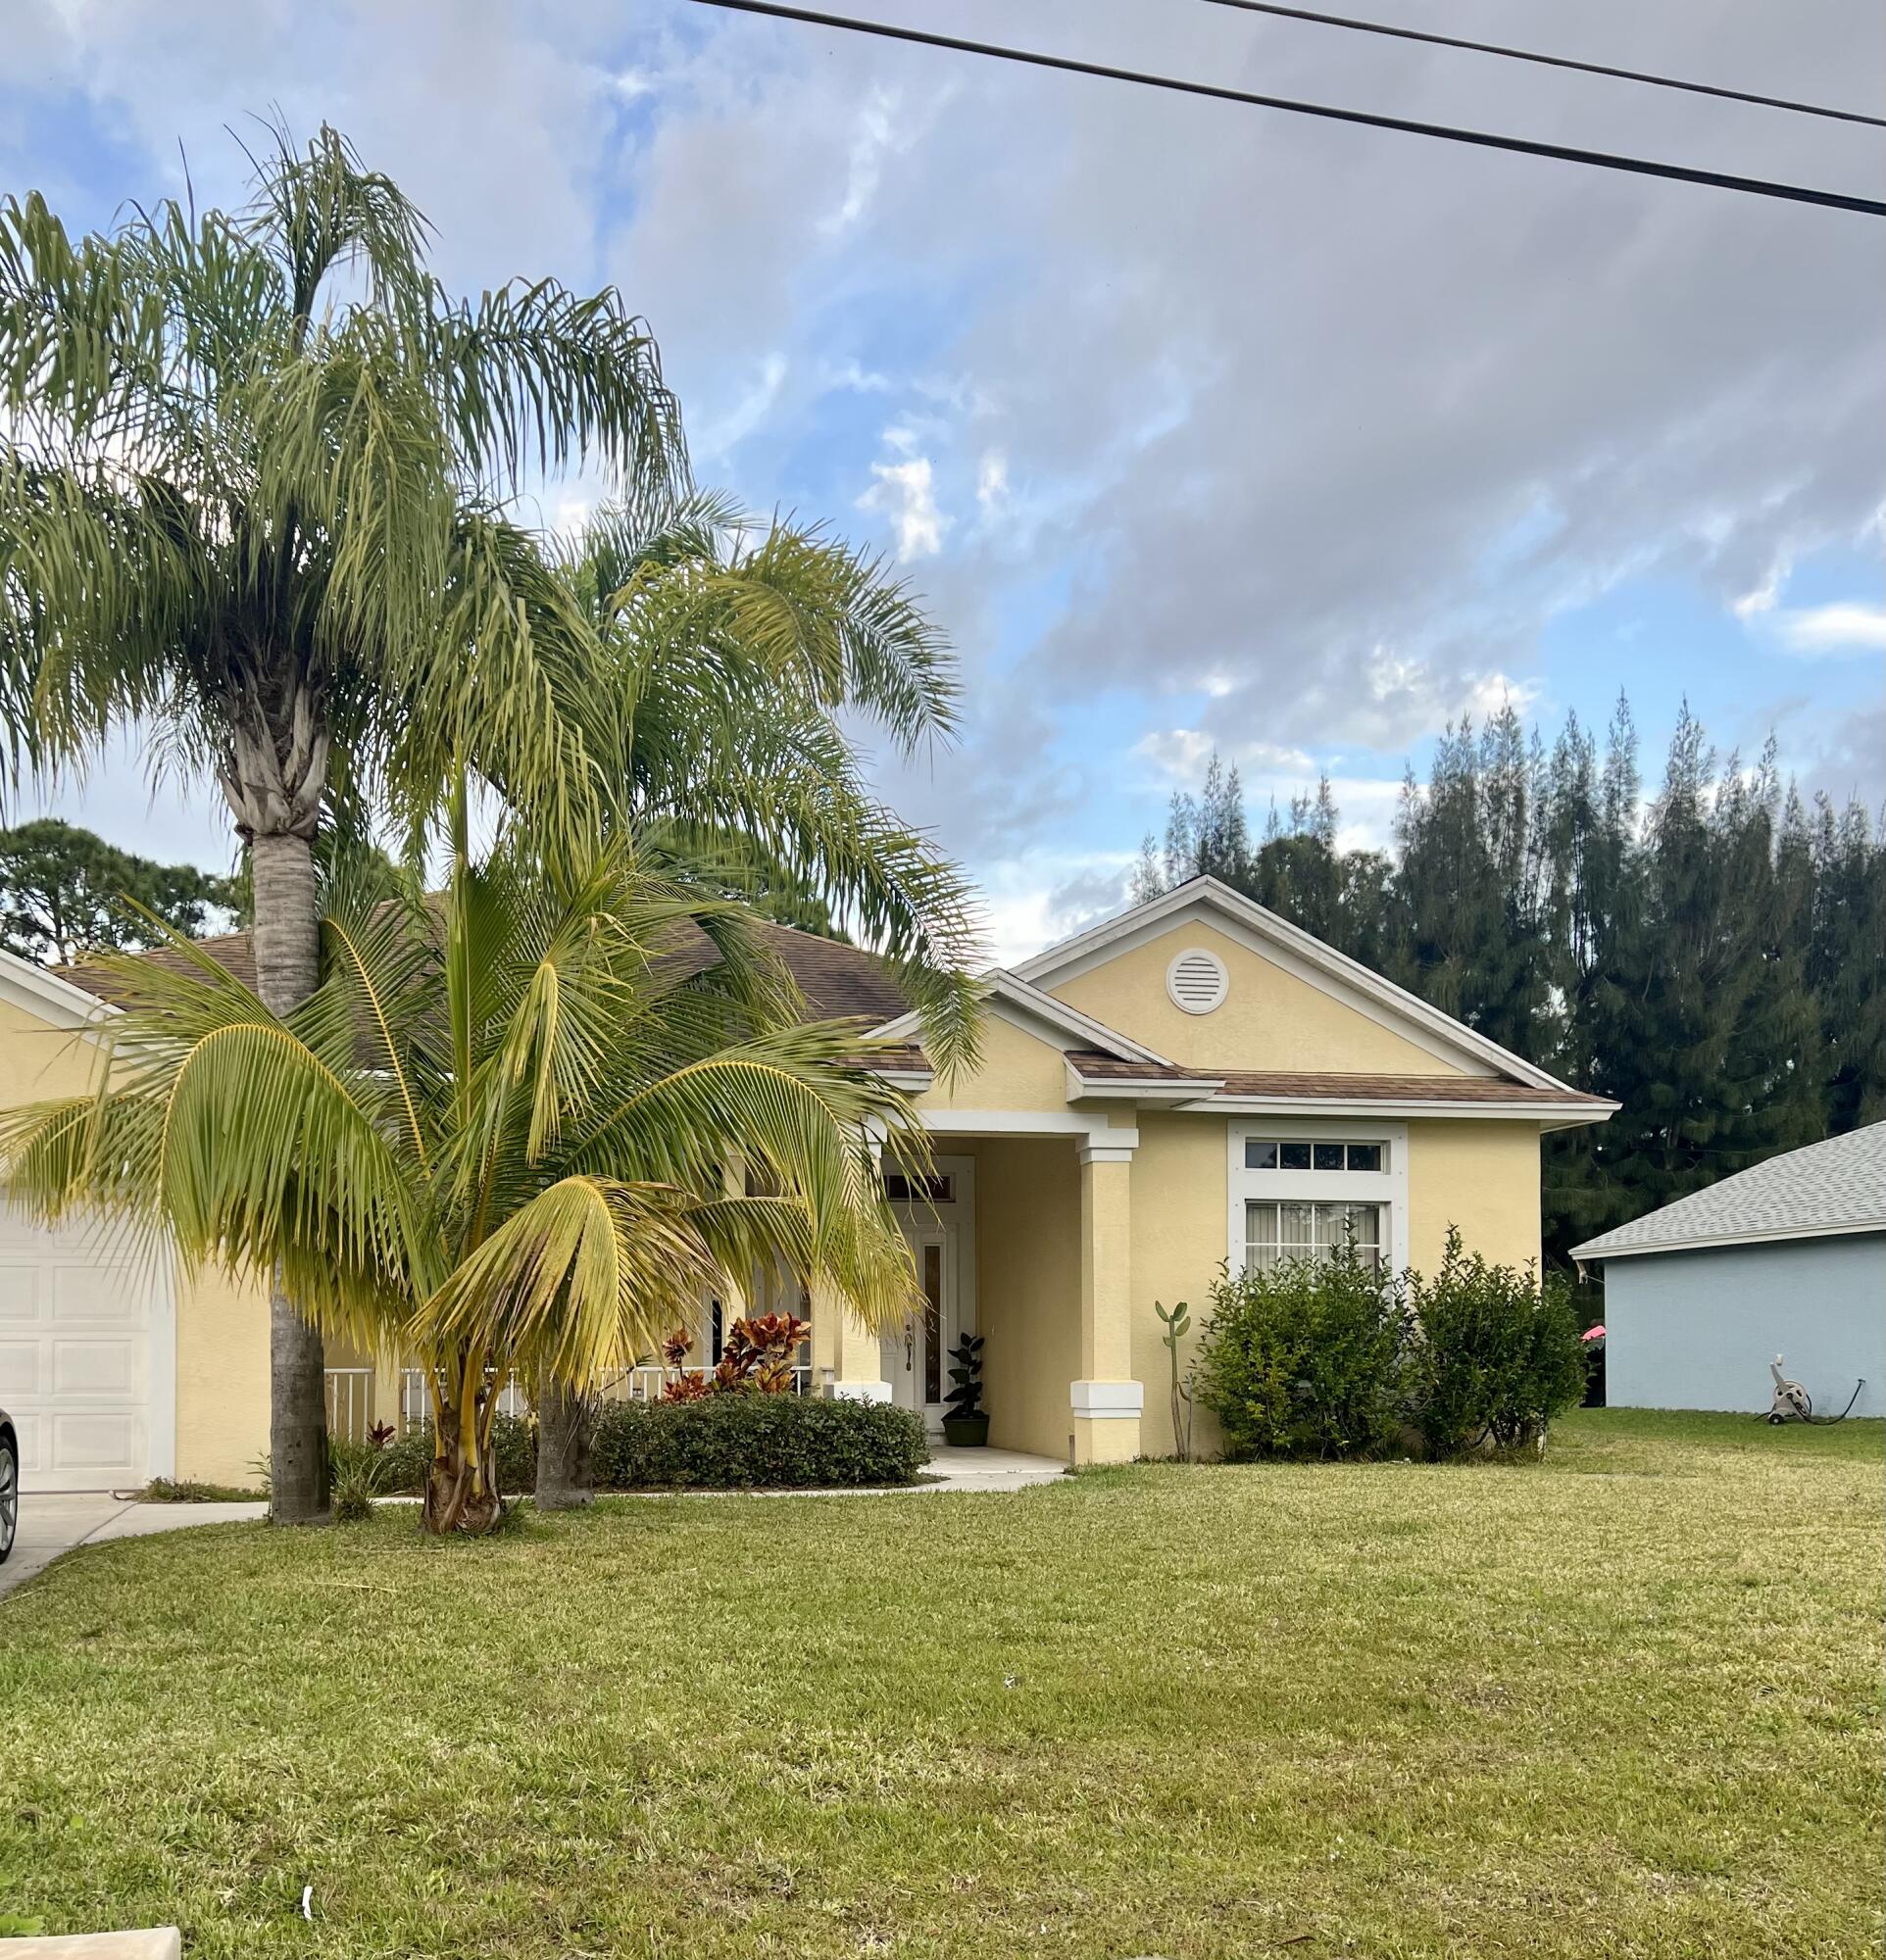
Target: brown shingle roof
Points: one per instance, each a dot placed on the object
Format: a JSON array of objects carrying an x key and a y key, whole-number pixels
[
  {"x": 839, "y": 982},
  {"x": 1391, "y": 1088},
  {"x": 1097, "y": 1065},
  {"x": 1323, "y": 1087},
  {"x": 230, "y": 950}
]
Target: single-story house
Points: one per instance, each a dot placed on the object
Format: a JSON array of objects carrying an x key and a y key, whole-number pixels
[
  {"x": 1786, "y": 1260},
  {"x": 1192, "y": 1082}
]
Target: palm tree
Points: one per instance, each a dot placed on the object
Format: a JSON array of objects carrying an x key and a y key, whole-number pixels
[
  {"x": 255, "y": 471},
  {"x": 519, "y": 1172},
  {"x": 726, "y": 653},
  {"x": 732, "y": 661}
]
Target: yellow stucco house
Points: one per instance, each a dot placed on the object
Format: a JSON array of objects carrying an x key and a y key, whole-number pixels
[{"x": 1192, "y": 1082}]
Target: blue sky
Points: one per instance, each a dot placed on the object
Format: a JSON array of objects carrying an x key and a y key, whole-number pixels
[{"x": 1197, "y": 427}]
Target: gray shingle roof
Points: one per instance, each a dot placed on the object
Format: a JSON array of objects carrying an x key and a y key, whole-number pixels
[{"x": 1836, "y": 1186}]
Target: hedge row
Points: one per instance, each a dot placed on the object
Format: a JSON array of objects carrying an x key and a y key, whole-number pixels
[
  {"x": 737, "y": 1441},
  {"x": 751, "y": 1440}
]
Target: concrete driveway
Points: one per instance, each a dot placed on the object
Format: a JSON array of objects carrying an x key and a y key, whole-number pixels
[{"x": 57, "y": 1523}]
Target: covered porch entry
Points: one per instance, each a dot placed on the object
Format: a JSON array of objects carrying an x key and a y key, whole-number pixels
[{"x": 1021, "y": 1228}]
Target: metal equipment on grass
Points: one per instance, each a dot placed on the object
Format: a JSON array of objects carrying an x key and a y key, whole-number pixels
[{"x": 1793, "y": 1403}]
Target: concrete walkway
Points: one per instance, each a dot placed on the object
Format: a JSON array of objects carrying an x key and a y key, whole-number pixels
[
  {"x": 990, "y": 1469},
  {"x": 61, "y": 1522}
]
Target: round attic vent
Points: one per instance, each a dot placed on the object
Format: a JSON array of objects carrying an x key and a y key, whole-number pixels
[{"x": 1197, "y": 980}]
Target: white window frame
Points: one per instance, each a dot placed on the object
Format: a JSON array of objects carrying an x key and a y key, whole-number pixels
[{"x": 1351, "y": 1187}]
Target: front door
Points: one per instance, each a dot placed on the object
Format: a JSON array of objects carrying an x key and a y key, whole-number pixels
[
  {"x": 917, "y": 1354},
  {"x": 936, "y": 1215}
]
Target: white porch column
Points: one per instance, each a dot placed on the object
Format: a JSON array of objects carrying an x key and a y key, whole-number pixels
[
  {"x": 847, "y": 1360},
  {"x": 731, "y": 1292},
  {"x": 1106, "y": 1401}
]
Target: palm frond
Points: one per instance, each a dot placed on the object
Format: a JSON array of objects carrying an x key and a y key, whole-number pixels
[
  {"x": 321, "y": 209},
  {"x": 583, "y": 1278},
  {"x": 871, "y": 1267}
]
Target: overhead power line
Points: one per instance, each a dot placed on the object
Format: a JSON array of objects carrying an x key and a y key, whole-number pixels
[
  {"x": 1604, "y": 160},
  {"x": 1549, "y": 61}
]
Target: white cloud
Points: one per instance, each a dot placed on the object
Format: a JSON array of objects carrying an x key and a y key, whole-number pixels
[
  {"x": 876, "y": 135},
  {"x": 1182, "y": 754},
  {"x": 1274, "y": 477},
  {"x": 746, "y": 414},
  {"x": 1847, "y": 626},
  {"x": 905, "y": 492},
  {"x": 1761, "y": 599},
  {"x": 1031, "y": 902}
]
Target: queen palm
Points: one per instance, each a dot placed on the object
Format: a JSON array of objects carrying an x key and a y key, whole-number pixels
[
  {"x": 731, "y": 659},
  {"x": 495, "y": 1136},
  {"x": 255, "y": 473}
]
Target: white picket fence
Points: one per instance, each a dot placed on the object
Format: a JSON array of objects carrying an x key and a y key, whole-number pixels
[
  {"x": 350, "y": 1402},
  {"x": 644, "y": 1384}
]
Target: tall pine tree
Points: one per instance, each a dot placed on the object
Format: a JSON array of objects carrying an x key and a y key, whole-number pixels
[{"x": 1715, "y": 962}]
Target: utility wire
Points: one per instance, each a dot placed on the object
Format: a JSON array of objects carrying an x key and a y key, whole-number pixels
[
  {"x": 1550, "y": 61},
  {"x": 1445, "y": 133}
]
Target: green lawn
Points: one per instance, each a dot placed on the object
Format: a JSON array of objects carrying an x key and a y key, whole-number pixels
[{"x": 1623, "y": 1702}]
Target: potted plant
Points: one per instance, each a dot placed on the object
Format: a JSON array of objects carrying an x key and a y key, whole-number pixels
[{"x": 965, "y": 1425}]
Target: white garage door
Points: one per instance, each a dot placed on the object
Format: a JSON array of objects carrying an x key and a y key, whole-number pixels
[{"x": 77, "y": 1319}]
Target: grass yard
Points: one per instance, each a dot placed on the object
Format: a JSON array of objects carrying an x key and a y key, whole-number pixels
[{"x": 1627, "y": 1701}]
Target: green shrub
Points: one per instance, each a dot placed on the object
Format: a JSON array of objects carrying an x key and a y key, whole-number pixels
[
  {"x": 513, "y": 1439},
  {"x": 1494, "y": 1355},
  {"x": 401, "y": 1465},
  {"x": 752, "y": 1441},
  {"x": 1305, "y": 1359}
]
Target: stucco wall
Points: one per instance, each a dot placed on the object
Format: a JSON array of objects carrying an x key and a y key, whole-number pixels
[
  {"x": 1179, "y": 1209},
  {"x": 1698, "y": 1330},
  {"x": 38, "y": 1061},
  {"x": 1483, "y": 1177},
  {"x": 1269, "y": 1018},
  {"x": 1018, "y": 1070},
  {"x": 221, "y": 1379},
  {"x": 1028, "y": 1287}
]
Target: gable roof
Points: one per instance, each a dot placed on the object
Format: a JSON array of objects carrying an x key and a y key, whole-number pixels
[
  {"x": 1303, "y": 953},
  {"x": 51, "y": 995},
  {"x": 841, "y": 982},
  {"x": 1837, "y": 1186},
  {"x": 1086, "y": 1033}
]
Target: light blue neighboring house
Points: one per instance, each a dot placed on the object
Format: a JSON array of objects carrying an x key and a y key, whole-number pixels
[{"x": 1788, "y": 1258}]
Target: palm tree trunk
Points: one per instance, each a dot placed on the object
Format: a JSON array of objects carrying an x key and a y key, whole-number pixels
[
  {"x": 461, "y": 1492},
  {"x": 563, "y": 1420},
  {"x": 286, "y": 938}
]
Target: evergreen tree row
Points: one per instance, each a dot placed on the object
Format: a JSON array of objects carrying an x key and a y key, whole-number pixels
[{"x": 1710, "y": 957}]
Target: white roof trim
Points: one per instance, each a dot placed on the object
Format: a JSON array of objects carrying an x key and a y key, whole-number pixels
[
  {"x": 1173, "y": 1089},
  {"x": 1003, "y": 985},
  {"x": 1323, "y": 966},
  {"x": 45, "y": 995},
  {"x": 1769, "y": 1236},
  {"x": 1553, "y": 1116}
]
